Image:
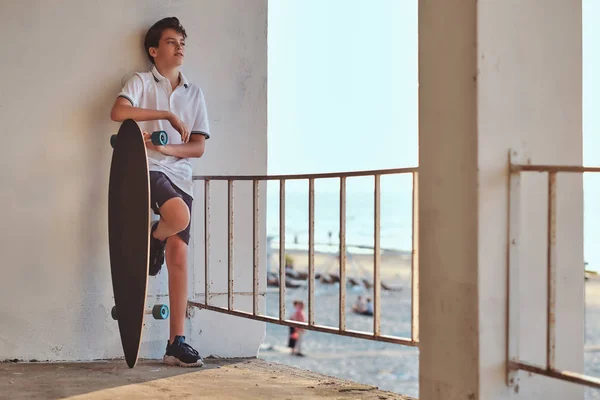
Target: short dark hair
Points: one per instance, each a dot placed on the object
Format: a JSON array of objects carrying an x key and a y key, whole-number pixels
[{"x": 155, "y": 33}]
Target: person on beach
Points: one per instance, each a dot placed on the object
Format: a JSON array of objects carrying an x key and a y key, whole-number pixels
[
  {"x": 296, "y": 334},
  {"x": 162, "y": 99},
  {"x": 359, "y": 306},
  {"x": 362, "y": 307},
  {"x": 369, "y": 307}
]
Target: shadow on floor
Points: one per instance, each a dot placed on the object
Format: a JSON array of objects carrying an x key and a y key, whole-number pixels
[{"x": 66, "y": 380}]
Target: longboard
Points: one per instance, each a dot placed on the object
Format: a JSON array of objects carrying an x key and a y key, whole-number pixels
[{"x": 129, "y": 234}]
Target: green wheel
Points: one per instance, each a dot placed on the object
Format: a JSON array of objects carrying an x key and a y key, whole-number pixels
[
  {"x": 160, "y": 138},
  {"x": 160, "y": 311},
  {"x": 113, "y": 140},
  {"x": 113, "y": 313}
]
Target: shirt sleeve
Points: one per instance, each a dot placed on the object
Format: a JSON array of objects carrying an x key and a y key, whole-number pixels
[
  {"x": 201, "y": 121},
  {"x": 132, "y": 90}
]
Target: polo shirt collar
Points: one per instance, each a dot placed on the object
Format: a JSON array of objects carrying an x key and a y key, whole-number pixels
[{"x": 158, "y": 77}]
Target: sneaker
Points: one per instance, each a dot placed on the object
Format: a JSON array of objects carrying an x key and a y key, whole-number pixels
[
  {"x": 157, "y": 253},
  {"x": 182, "y": 354}
]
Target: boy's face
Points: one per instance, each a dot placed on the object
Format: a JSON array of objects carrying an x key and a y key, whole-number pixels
[{"x": 171, "y": 49}]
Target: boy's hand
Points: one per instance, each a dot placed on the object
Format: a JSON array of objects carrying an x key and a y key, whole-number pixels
[
  {"x": 152, "y": 146},
  {"x": 179, "y": 127}
]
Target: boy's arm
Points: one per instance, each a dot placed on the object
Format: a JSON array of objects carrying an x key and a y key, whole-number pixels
[
  {"x": 122, "y": 110},
  {"x": 192, "y": 149}
]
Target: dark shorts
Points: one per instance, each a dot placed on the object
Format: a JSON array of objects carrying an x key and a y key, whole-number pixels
[
  {"x": 291, "y": 339},
  {"x": 161, "y": 190}
]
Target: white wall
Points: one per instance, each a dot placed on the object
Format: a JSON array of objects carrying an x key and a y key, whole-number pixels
[
  {"x": 63, "y": 63},
  {"x": 530, "y": 99},
  {"x": 496, "y": 75}
]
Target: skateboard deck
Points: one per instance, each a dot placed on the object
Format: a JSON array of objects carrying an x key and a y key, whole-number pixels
[{"x": 129, "y": 235}]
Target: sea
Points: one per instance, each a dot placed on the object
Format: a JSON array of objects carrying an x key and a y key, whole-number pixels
[{"x": 395, "y": 213}]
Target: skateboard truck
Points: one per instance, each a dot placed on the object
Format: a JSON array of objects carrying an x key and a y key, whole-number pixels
[
  {"x": 159, "y": 138},
  {"x": 159, "y": 311}
]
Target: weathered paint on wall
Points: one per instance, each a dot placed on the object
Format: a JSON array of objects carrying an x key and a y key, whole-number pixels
[{"x": 63, "y": 63}]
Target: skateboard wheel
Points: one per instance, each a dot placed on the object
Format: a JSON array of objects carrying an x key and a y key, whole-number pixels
[
  {"x": 160, "y": 311},
  {"x": 160, "y": 138},
  {"x": 113, "y": 140},
  {"x": 113, "y": 313}
]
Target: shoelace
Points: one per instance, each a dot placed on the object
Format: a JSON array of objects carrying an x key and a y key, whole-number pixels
[{"x": 189, "y": 348}]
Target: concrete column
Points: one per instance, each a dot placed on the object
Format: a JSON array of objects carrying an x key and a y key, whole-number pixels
[
  {"x": 496, "y": 75},
  {"x": 448, "y": 213}
]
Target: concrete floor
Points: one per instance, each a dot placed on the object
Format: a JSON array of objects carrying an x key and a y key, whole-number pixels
[{"x": 218, "y": 379}]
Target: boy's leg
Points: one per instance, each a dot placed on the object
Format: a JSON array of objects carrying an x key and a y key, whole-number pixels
[
  {"x": 176, "y": 213},
  {"x": 178, "y": 352},
  {"x": 176, "y": 254},
  {"x": 174, "y": 227},
  {"x": 175, "y": 221}
]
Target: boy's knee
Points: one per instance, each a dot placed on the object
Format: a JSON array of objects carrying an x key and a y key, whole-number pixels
[
  {"x": 182, "y": 220},
  {"x": 176, "y": 253},
  {"x": 177, "y": 213}
]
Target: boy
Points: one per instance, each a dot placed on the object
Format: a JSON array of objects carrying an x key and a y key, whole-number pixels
[{"x": 163, "y": 99}]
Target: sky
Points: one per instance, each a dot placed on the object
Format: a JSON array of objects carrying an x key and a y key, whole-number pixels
[{"x": 342, "y": 85}]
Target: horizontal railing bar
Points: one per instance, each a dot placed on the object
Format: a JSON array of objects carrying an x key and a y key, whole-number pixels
[
  {"x": 568, "y": 376},
  {"x": 317, "y": 328},
  {"x": 408, "y": 170},
  {"x": 335, "y": 244},
  {"x": 552, "y": 168}
]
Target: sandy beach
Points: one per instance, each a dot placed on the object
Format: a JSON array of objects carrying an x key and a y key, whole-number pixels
[
  {"x": 395, "y": 268},
  {"x": 387, "y": 366}
]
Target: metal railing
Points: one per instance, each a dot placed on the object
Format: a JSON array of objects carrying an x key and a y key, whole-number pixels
[
  {"x": 341, "y": 329},
  {"x": 514, "y": 363}
]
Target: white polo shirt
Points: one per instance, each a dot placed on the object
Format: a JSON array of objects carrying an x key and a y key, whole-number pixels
[{"x": 153, "y": 91}]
